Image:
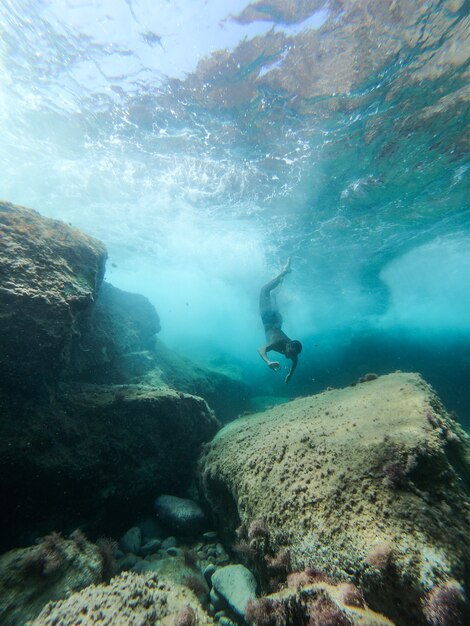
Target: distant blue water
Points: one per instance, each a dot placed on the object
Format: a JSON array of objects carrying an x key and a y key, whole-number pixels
[{"x": 205, "y": 142}]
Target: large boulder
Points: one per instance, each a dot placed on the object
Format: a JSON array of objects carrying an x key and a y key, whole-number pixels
[
  {"x": 180, "y": 515},
  {"x": 49, "y": 277},
  {"x": 118, "y": 343},
  {"x": 51, "y": 570},
  {"x": 131, "y": 599},
  {"x": 368, "y": 484},
  {"x": 314, "y": 603},
  {"x": 95, "y": 453},
  {"x": 227, "y": 394}
]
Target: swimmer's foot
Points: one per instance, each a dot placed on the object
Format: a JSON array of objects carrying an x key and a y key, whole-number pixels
[{"x": 287, "y": 268}]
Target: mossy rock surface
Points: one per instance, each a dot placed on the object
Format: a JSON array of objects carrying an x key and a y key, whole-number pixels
[
  {"x": 52, "y": 569},
  {"x": 130, "y": 599},
  {"x": 369, "y": 484},
  {"x": 50, "y": 274},
  {"x": 95, "y": 456}
]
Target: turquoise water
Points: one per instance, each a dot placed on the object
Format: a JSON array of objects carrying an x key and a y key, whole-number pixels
[{"x": 206, "y": 142}]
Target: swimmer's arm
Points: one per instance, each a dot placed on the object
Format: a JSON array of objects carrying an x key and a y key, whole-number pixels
[
  {"x": 274, "y": 365},
  {"x": 292, "y": 368}
]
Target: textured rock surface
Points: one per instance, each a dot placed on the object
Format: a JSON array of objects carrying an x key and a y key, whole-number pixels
[
  {"x": 369, "y": 484},
  {"x": 236, "y": 585},
  {"x": 176, "y": 570},
  {"x": 131, "y": 540},
  {"x": 120, "y": 338},
  {"x": 31, "y": 577},
  {"x": 318, "y": 603},
  {"x": 120, "y": 345},
  {"x": 98, "y": 453},
  {"x": 131, "y": 599},
  {"x": 180, "y": 515},
  {"x": 227, "y": 395},
  {"x": 49, "y": 277}
]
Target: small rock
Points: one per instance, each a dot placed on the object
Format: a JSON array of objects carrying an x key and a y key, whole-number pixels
[
  {"x": 220, "y": 614},
  {"x": 151, "y": 529},
  {"x": 216, "y": 601},
  {"x": 225, "y": 621},
  {"x": 141, "y": 566},
  {"x": 169, "y": 542},
  {"x": 150, "y": 547},
  {"x": 173, "y": 551},
  {"x": 223, "y": 559},
  {"x": 210, "y": 535},
  {"x": 131, "y": 541},
  {"x": 183, "y": 516},
  {"x": 208, "y": 571},
  {"x": 128, "y": 562},
  {"x": 236, "y": 585}
]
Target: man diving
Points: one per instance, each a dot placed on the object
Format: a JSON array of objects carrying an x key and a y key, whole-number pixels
[{"x": 276, "y": 339}]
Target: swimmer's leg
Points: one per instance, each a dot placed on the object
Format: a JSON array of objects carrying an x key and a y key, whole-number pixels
[{"x": 266, "y": 303}]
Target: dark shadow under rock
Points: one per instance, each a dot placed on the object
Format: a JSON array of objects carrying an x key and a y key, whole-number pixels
[{"x": 100, "y": 453}]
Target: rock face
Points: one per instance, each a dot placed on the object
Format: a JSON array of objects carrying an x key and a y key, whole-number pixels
[
  {"x": 31, "y": 577},
  {"x": 228, "y": 396},
  {"x": 368, "y": 484},
  {"x": 118, "y": 343},
  {"x": 131, "y": 599},
  {"x": 49, "y": 276},
  {"x": 318, "y": 603},
  {"x": 77, "y": 446},
  {"x": 95, "y": 452},
  {"x": 236, "y": 585},
  {"x": 180, "y": 515}
]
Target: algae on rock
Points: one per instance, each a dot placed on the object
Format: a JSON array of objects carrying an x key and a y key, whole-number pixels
[
  {"x": 50, "y": 274},
  {"x": 96, "y": 455},
  {"x": 368, "y": 484},
  {"x": 31, "y": 577},
  {"x": 131, "y": 599}
]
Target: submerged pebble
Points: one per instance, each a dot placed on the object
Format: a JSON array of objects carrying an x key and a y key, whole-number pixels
[
  {"x": 131, "y": 540},
  {"x": 150, "y": 547}
]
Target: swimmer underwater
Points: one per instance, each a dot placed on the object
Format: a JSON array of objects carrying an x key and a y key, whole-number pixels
[{"x": 276, "y": 339}]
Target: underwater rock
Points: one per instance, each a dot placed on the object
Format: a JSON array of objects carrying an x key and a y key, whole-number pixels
[
  {"x": 131, "y": 599},
  {"x": 225, "y": 393},
  {"x": 120, "y": 346},
  {"x": 177, "y": 570},
  {"x": 55, "y": 567},
  {"x": 169, "y": 542},
  {"x": 151, "y": 529},
  {"x": 117, "y": 345},
  {"x": 316, "y": 603},
  {"x": 49, "y": 277},
  {"x": 97, "y": 453},
  {"x": 368, "y": 484},
  {"x": 236, "y": 585},
  {"x": 131, "y": 540},
  {"x": 150, "y": 547},
  {"x": 181, "y": 515}
]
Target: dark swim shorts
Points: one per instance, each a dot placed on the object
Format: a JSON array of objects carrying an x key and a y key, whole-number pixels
[{"x": 271, "y": 319}]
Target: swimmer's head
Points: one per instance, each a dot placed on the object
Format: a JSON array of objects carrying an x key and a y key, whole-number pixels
[{"x": 294, "y": 347}]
